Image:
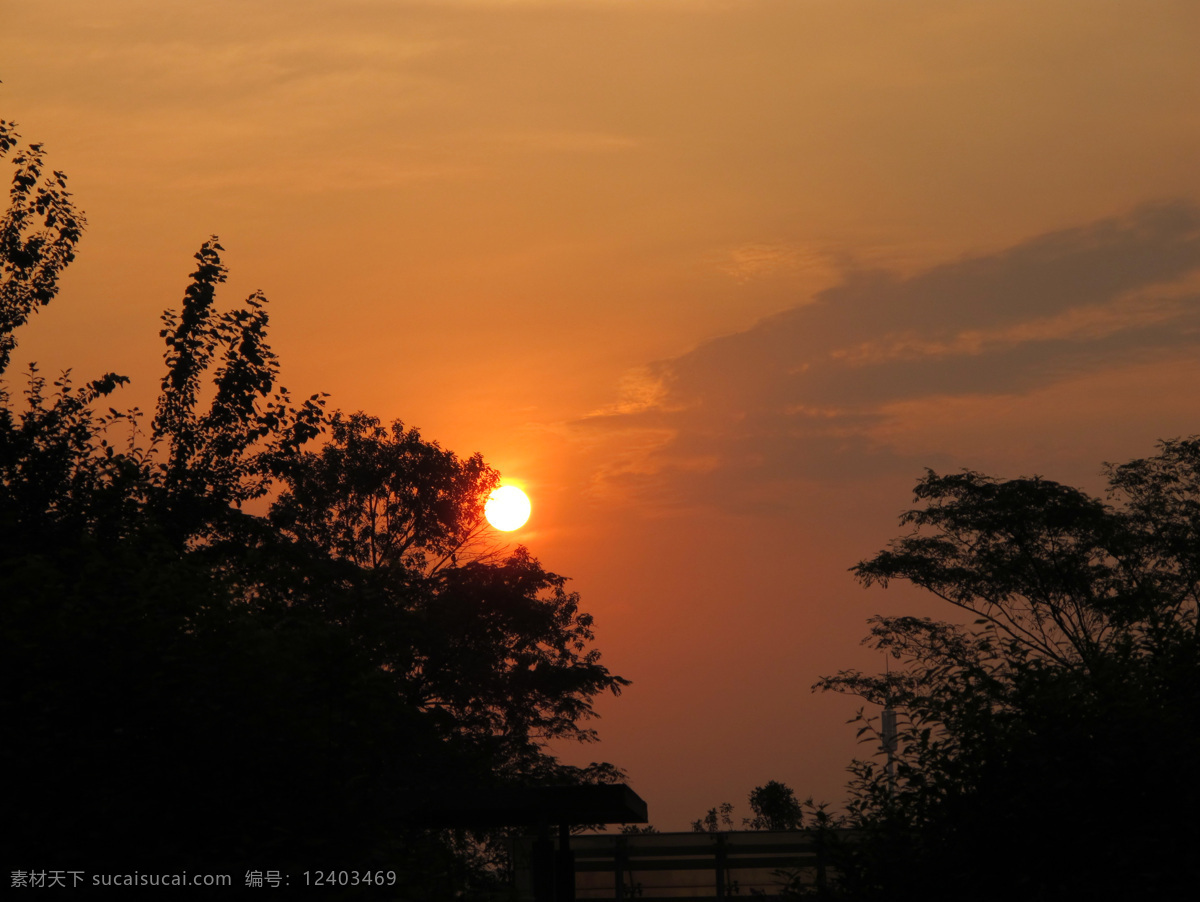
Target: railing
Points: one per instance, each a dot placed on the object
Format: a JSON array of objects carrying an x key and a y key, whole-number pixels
[{"x": 690, "y": 867}]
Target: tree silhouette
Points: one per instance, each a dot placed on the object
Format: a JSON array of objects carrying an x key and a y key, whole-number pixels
[
  {"x": 775, "y": 807},
  {"x": 228, "y": 454},
  {"x": 38, "y": 234},
  {"x": 489, "y": 643},
  {"x": 1054, "y": 732},
  {"x": 715, "y": 819},
  {"x": 385, "y": 499},
  {"x": 193, "y": 685}
]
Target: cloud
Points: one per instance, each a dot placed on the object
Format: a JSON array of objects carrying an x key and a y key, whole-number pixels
[
  {"x": 801, "y": 395},
  {"x": 752, "y": 261}
]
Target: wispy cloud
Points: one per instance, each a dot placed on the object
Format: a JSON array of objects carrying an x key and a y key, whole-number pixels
[
  {"x": 802, "y": 394},
  {"x": 752, "y": 261}
]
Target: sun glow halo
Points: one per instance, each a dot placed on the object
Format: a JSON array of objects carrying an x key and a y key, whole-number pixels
[{"x": 507, "y": 508}]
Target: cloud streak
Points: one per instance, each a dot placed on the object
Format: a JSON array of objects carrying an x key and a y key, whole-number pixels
[{"x": 799, "y": 396}]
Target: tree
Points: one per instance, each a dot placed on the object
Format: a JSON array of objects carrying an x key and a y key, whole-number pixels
[
  {"x": 715, "y": 820},
  {"x": 38, "y": 234},
  {"x": 1053, "y": 732},
  {"x": 775, "y": 807},
  {"x": 47, "y": 474},
  {"x": 229, "y": 454},
  {"x": 487, "y": 642},
  {"x": 189, "y": 683},
  {"x": 157, "y": 717},
  {"x": 386, "y": 499}
]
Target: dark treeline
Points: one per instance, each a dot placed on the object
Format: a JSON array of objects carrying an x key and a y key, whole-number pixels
[
  {"x": 189, "y": 685},
  {"x": 1046, "y": 750},
  {"x": 1047, "y": 747}
]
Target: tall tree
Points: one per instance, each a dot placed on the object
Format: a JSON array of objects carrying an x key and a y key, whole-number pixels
[
  {"x": 228, "y": 454},
  {"x": 386, "y": 499},
  {"x": 48, "y": 474},
  {"x": 38, "y": 234},
  {"x": 191, "y": 684},
  {"x": 485, "y": 640},
  {"x": 1054, "y": 730}
]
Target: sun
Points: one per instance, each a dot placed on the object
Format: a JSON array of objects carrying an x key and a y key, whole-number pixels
[{"x": 507, "y": 508}]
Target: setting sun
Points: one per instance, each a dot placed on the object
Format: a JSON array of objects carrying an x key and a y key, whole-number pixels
[{"x": 507, "y": 508}]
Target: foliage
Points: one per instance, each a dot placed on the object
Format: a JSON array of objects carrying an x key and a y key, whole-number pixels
[
  {"x": 385, "y": 498},
  {"x": 1054, "y": 731},
  {"x": 191, "y": 684},
  {"x": 775, "y": 808},
  {"x": 38, "y": 234},
  {"x": 250, "y": 432},
  {"x": 489, "y": 644},
  {"x": 715, "y": 820}
]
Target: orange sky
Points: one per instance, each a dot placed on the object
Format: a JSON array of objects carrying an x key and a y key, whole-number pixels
[{"x": 713, "y": 280}]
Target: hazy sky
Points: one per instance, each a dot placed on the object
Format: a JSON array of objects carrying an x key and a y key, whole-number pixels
[{"x": 714, "y": 280}]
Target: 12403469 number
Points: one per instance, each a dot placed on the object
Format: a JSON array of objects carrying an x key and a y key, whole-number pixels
[{"x": 350, "y": 878}]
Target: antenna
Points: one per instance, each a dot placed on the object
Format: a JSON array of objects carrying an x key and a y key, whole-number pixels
[{"x": 889, "y": 729}]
